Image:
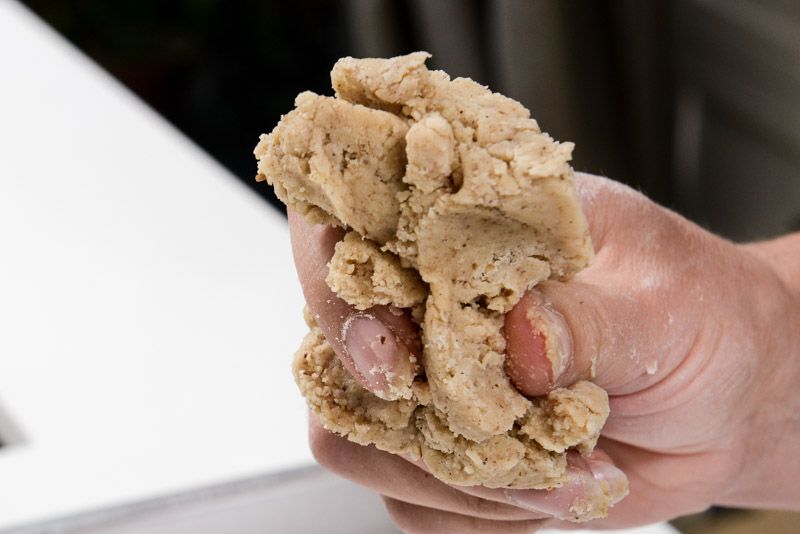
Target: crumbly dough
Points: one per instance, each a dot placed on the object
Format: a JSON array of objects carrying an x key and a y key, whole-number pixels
[
  {"x": 456, "y": 204},
  {"x": 364, "y": 276}
]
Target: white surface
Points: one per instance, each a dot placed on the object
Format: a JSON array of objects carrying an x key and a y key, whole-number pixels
[
  {"x": 248, "y": 506},
  {"x": 262, "y": 510},
  {"x": 148, "y": 304},
  {"x": 658, "y": 528}
]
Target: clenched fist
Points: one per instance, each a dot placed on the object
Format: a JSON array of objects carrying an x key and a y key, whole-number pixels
[{"x": 696, "y": 340}]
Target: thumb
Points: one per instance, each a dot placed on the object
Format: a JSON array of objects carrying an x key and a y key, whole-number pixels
[
  {"x": 596, "y": 326},
  {"x": 564, "y": 332}
]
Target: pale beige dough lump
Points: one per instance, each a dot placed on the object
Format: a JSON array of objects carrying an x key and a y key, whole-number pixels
[
  {"x": 364, "y": 276},
  {"x": 456, "y": 204}
]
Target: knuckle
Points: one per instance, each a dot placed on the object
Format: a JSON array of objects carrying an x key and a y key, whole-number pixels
[{"x": 402, "y": 514}]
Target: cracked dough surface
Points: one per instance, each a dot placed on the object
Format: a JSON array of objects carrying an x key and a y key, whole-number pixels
[{"x": 455, "y": 204}]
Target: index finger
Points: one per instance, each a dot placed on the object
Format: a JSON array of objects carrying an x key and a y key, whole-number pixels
[{"x": 377, "y": 346}]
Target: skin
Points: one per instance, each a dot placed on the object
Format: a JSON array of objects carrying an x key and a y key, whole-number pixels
[{"x": 696, "y": 339}]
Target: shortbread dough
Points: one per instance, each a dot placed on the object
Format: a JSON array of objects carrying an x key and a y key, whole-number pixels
[{"x": 455, "y": 204}]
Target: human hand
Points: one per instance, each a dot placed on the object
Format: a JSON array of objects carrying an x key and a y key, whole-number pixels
[{"x": 683, "y": 329}]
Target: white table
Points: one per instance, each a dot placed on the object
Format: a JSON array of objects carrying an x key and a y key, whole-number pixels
[{"x": 148, "y": 313}]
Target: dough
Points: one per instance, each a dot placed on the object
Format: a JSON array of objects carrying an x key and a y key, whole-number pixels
[{"x": 455, "y": 204}]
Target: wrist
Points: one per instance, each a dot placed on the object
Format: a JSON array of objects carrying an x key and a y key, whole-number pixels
[
  {"x": 771, "y": 435},
  {"x": 783, "y": 256}
]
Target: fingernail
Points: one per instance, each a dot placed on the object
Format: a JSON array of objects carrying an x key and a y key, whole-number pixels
[
  {"x": 594, "y": 485},
  {"x": 377, "y": 356},
  {"x": 612, "y": 480},
  {"x": 553, "y": 329},
  {"x": 558, "y": 502},
  {"x": 541, "y": 504}
]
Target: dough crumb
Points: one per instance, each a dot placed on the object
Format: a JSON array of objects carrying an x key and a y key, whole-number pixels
[
  {"x": 566, "y": 416},
  {"x": 364, "y": 276}
]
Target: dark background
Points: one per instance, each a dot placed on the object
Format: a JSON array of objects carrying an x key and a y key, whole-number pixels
[{"x": 695, "y": 103}]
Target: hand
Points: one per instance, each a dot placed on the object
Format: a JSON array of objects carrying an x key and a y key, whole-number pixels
[{"x": 695, "y": 339}]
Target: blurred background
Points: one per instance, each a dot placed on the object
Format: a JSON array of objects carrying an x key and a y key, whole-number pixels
[{"x": 694, "y": 102}]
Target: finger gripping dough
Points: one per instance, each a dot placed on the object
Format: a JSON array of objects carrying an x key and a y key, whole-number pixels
[{"x": 455, "y": 204}]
